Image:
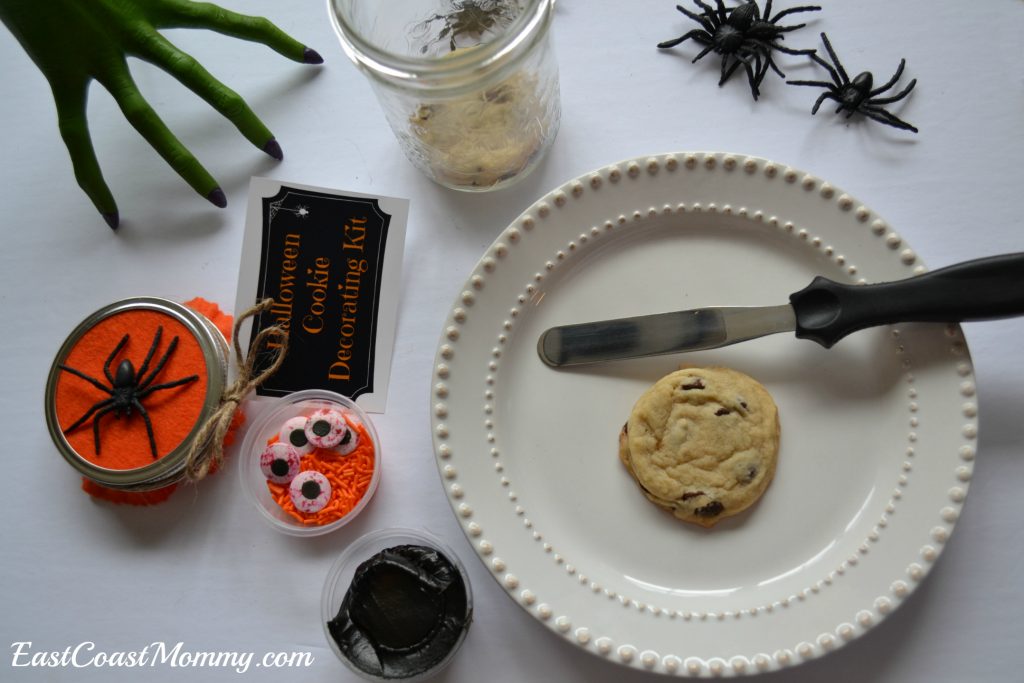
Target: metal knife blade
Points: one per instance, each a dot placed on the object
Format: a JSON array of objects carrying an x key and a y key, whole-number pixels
[
  {"x": 660, "y": 333},
  {"x": 824, "y": 311}
]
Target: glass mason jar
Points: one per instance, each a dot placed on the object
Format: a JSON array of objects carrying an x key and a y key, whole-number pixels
[{"x": 470, "y": 87}]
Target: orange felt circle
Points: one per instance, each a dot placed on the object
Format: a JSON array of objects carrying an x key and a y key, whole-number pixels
[{"x": 124, "y": 444}]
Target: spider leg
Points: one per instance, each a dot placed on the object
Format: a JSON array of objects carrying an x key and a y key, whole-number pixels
[
  {"x": 706, "y": 20},
  {"x": 760, "y": 70},
  {"x": 143, "y": 383},
  {"x": 96, "y": 406},
  {"x": 891, "y": 82},
  {"x": 166, "y": 385},
  {"x": 96, "y": 427},
  {"x": 751, "y": 57},
  {"x": 771, "y": 63},
  {"x": 894, "y": 98},
  {"x": 885, "y": 117},
  {"x": 766, "y": 48},
  {"x": 703, "y": 52},
  {"x": 792, "y": 51},
  {"x": 787, "y": 29},
  {"x": 820, "y": 84},
  {"x": 728, "y": 68},
  {"x": 767, "y": 10},
  {"x": 110, "y": 359},
  {"x": 149, "y": 426},
  {"x": 91, "y": 380},
  {"x": 839, "y": 82},
  {"x": 152, "y": 350},
  {"x": 698, "y": 35},
  {"x": 746, "y": 55},
  {"x": 722, "y": 13},
  {"x": 835, "y": 60},
  {"x": 828, "y": 95},
  {"x": 760, "y": 45},
  {"x": 752, "y": 78},
  {"x": 791, "y": 10}
]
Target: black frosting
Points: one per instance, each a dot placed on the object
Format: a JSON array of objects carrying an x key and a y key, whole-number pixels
[{"x": 405, "y": 610}]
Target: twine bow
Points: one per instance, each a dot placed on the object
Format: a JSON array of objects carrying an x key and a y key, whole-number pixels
[{"x": 207, "y": 450}]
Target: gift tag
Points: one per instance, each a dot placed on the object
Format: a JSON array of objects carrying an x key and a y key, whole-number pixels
[{"x": 331, "y": 262}]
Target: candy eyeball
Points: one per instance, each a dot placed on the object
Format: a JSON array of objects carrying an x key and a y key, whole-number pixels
[
  {"x": 326, "y": 428},
  {"x": 279, "y": 462},
  {"x": 293, "y": 433},
  {"x": 310, "y": 491},
  {"x": 349, "y": 441}
]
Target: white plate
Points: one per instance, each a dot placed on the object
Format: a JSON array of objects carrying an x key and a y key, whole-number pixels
[{"x": 878, "y": 434}]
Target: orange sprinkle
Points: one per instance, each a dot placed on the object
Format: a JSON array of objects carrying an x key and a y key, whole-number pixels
[{"x": 349, "y": 476}]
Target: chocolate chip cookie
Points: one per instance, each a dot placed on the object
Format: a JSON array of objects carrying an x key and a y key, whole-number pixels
[{"x": 702, "y": 443}]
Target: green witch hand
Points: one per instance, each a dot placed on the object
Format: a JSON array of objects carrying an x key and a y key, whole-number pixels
[{"x": 75, "y": 41}]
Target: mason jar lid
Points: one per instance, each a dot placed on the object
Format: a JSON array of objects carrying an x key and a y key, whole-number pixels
[
  {"x": 168, "y": 468},
  {"x": 454, "y": 73}
]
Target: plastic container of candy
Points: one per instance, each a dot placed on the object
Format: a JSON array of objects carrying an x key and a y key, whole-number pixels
[{"x": 311, "y": 463}]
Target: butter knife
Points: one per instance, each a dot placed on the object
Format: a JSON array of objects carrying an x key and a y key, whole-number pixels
[{"x": 825, "y": 311}]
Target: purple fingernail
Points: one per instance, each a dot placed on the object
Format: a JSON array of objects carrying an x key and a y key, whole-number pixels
[
  {"x": 112, "y": 218},
  {"x": 311, "y": 56},
  {"x": 273, "y": 149},
  {"x": 217, "y": 198}
]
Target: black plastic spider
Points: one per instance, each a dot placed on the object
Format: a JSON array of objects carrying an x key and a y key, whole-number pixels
[
  {"x": 742, "y": 36},
  {"x": 857, "y": 95},
  {"x": 127, "y": 388},
  {"x": 472, "y": 18}
]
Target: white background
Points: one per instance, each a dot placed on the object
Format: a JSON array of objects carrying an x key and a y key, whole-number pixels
[{"x": 203, "y": 568}]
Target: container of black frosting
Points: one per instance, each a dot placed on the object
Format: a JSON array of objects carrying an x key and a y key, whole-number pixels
[{"x": 396, "y": 605}]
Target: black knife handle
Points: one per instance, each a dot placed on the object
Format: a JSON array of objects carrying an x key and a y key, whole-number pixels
[{"x": 983, "y": 289}]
